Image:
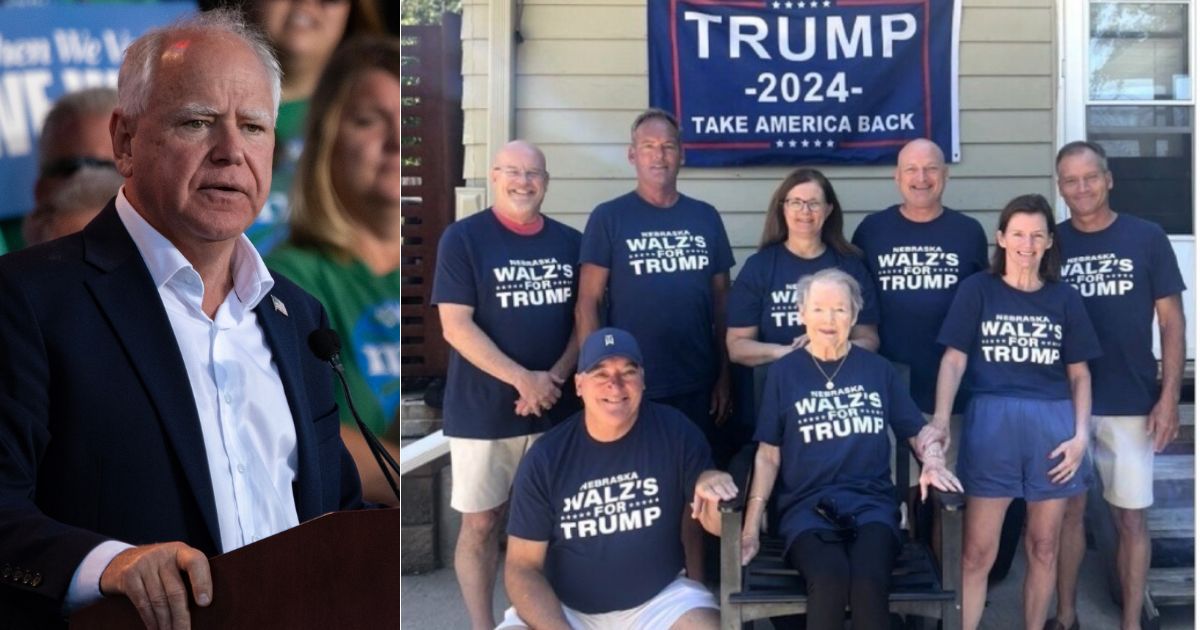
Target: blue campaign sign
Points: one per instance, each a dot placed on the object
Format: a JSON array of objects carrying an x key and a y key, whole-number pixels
[
  {"x": 46, "y": 51},
  {"x": 807, "y": 81}
]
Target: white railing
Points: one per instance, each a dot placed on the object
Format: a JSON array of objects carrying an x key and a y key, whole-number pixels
[{"x": 423, "y": 451}]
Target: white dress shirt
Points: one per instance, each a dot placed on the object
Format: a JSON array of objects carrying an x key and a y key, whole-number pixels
[{"x": 249, "y": 434}]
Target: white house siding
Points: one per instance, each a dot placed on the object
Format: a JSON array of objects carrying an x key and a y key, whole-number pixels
[{"x": 581, "y": 77}]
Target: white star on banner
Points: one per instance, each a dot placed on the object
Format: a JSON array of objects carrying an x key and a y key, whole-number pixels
[
  {"x": 804, "y": 143},
  {"x": 829, "y": 144},
  {"x": 779, "y": 143},
  {"x": 792, "y": 143},
  {"x": 787, "y": 4},
  {"x": 775, "y": 5}
]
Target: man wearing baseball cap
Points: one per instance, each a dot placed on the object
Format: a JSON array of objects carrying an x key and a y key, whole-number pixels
[{"x": 595, "y": 527}]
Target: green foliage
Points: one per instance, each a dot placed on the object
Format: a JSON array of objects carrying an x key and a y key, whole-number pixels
[{"x": 427, "y": 11}]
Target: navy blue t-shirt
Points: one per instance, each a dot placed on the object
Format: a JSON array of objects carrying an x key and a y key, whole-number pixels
[
  {"x": 917, "y": 268},
  {"x": 833, "y": 442},
  {"x": 1120, "y": 271},
  {"x": 1019, "y": 343},
  {"x": 661, "y": 262},
  {"x": 610, "y": 511},
  {"x": 523, "y": 291},
  {"x": 764, "y": 294}
]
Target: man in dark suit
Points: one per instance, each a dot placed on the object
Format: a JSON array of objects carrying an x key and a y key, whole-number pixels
[{"x": 157, "y": 402}]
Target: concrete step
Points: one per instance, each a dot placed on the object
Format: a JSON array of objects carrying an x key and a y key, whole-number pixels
[
  {"x": 1171, "y": 522},
  {"x": 416, "y": 418},
  {"x": 1174, "y": 586}
]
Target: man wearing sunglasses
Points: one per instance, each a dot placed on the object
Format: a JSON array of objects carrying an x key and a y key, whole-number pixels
[{"x": 76, "y": 172}]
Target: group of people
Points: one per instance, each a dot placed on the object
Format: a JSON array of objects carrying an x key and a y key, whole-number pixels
[{"x": 1005, "y": 376}]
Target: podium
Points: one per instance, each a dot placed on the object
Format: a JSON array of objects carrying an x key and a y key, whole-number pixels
[{"x": 340, "y": 570}]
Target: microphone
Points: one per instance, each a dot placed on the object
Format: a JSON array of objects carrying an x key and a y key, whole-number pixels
[{"x": 326, "y": 346}]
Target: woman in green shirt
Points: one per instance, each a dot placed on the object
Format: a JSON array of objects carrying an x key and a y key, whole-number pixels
[{"x": 344, "y": 246}]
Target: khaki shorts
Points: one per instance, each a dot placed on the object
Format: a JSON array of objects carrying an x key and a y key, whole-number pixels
[
  {"x": 1124, "y": 457},
  {"x": 483, "y": 470},
  {"x": 662, "y": 611}
]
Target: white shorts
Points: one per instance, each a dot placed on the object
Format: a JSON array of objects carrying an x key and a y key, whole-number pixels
[
  {"x": 660, "y": 612},
  {"x": 483, "y": 470},
  {"x": 1124, "y": 457}
]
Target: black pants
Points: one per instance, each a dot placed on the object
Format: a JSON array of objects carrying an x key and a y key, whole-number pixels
[{"x": 856, "y": 573}]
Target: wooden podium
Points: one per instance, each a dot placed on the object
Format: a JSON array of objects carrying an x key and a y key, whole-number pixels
[{"x": 340, "y": 570}]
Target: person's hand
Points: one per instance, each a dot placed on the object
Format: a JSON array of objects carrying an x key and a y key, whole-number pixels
[
  {"x": 800, "y": 342},
  {"x": 934, "y": 473},
  {"x": 538, "y": 392},
  {"x": 933, "y": 433},
  {"x": 1071, "y": 452},
  {"x": 712, "y": 487},
  {"x": 749, "y": 545},
  {"x": 721, "y": 404},
  {"x": 1163, "y": 424},
  {"x": 150, "y": 577}
]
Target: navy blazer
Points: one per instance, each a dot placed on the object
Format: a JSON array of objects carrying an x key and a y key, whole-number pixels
[{"x": 99, "y": 435}]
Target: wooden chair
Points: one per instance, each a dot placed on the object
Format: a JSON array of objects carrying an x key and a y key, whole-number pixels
[{"x": 926, "y": 583}]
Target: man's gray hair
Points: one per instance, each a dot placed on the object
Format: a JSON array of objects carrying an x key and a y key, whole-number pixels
[
  {"x": 95, "y": 101},
  {"x": 835, "y": 276},
  {"x": 1079, "y": 147},
  {"x": 142, "y": 56},
  {"x": 654, "y": 113}
]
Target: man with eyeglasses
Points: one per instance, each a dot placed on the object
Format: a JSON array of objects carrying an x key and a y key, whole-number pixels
[
  {"x": 664, "y": 259},
  {"x": 917, "y": 252},
  {"x": 75, "y": 152},
  {"x": 1127, "y": 273},
  {"x": 505, "y": 289}
]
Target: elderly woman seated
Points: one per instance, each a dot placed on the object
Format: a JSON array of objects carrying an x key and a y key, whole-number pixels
[{"x": 822, "y": 431}]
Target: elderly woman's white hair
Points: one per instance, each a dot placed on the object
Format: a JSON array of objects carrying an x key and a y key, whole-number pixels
[{"x": 834, "y": 276}]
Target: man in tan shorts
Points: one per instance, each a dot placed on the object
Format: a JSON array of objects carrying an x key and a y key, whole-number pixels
[
  {"x": 1126, "y": 271},
  {"x": 505, "y": 289}
]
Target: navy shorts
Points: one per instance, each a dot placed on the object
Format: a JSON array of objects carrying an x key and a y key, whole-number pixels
[{"x": 1006, "y": 446}]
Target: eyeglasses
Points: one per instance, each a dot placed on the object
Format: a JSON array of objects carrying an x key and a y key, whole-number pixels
[
  {"x": 66, "y": 167},
  {"x": 516, "y": 173},
  {"x": 811, "y": 206}
]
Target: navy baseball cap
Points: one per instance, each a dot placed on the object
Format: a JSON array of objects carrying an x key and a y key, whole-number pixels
[{"x": 606, "y": 343}]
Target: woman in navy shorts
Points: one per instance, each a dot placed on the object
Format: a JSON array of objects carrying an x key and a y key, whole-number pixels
[{"x": 1025, "y": 339}]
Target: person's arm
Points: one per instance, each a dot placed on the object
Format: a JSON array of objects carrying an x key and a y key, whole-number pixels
[
  {"x": 1163, "y": 422},
  {"x": 865, "y": 336},
  {"x": 745, "y": 348},
  {"x": 712, "y": 487},
  {"x": 950, "y": 373},
  {"x": 537, "y": 389},
  {"x": 766, "y": 468},
  {"x": 721, "y": 400},
  {"x": 531, "y": 595},
  {"x": 1072, "y": 450},
  {"x": 593, "y": 280}
]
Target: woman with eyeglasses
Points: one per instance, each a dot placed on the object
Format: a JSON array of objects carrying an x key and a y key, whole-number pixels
[
  {"x": 823, "y": 434},
  {"x": 802, "y": 235},
  {"x": 1023, "y": 338}
]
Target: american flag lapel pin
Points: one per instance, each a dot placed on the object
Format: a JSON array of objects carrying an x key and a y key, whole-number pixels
[{"x": 279, "y": 306}]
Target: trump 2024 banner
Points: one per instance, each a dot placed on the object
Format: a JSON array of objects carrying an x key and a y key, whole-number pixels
[{"x": 806, "y": 81}]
